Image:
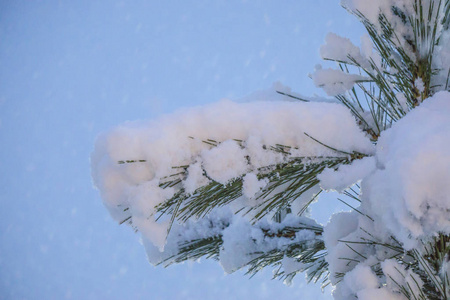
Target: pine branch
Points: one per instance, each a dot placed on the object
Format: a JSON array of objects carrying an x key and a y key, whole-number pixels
[
  {"x": 429, "y": 265},
  {"x": 289, "y": 181},
  {"x": 208, "y": 248},
  {"x": 286, "y": 182},
  {"x": 310, "y": 252}
]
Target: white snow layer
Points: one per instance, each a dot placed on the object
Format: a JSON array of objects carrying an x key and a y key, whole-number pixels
[
  {"x": 346, "y": 175},
  {"x": 154, "y": 148},
  {"x": 405, "y": 195},
  {"x": 335, "y": 82},
  {"x": 409, "y": 191},
  {"x": 341, "y": 49}
]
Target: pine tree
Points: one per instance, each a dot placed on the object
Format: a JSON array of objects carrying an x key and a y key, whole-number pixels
[{"x": 241, "y": 194}]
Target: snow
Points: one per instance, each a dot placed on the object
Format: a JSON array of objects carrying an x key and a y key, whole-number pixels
[
  {"x": 361, "y": 278},
  {"x": 195, "y": 178},
  {"x": 340, "y": 226},
  {"x": 342, "y": 49},
  {"x": 381, "y": 293},
  {"x": 335, "y": 82},
  {"x": 251, "y": 185},
  {"x": 244, "y": 242},
  {"x": 369, "y": 9},
  {"x": 397, "y": 276},
  {"x": 409, "y": 190},
  {"x": 418, "y": 83},
  {"x": 367, "y": 51},
  {"x": 346, "y": 175},
  {"x": 225, "y": 162},
  {"x": 238, "y": 247}
]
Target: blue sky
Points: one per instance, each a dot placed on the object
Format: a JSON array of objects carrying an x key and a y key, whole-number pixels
[{"x": 72, "y": 69}]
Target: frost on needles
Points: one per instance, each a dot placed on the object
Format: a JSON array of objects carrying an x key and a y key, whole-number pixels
[{"x": 233, "y": 181}]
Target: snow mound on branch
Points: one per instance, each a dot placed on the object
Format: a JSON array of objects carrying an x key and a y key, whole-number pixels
[
  {"x": 409, "y": 192},
  {"x": 346, "y": 175},
  {"x": 130, "y": 161},
  {"x": 335, "y": 82},
  {"x": 405, "y": 198},
  {"x": 342, "y": 49}
]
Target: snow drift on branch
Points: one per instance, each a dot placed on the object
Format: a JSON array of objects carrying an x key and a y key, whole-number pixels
[
  {"x": 404, "y": 204},
  {"x": 242, "y": 132},
  {"x": 409, "y": 191}
]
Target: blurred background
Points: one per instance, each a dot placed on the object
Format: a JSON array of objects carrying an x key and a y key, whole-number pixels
[{"x": 72, "y": 69}]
